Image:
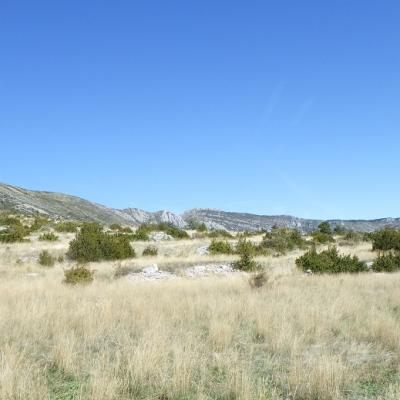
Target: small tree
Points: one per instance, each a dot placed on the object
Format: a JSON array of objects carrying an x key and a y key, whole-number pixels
[
  {"x": 386, "y": 239},
  {"x": 325, "y": 227},
  {"x": 246, "y": 261}
]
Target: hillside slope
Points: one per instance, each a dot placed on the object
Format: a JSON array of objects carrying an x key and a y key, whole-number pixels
[{"x": 58, "y": 205}]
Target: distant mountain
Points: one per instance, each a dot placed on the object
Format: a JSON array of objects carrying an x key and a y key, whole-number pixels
[
  {"x": 59, "y": 205},
  {"x": 242, "y": 221},
  {"x": 63, "y": 206}
]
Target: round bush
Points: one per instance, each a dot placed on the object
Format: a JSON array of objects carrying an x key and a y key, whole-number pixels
[
  {"x": 79, "y": 274},
  {"x": 330, "y": 262},
  {"x": 387, "y": 263},
  {"x": 92, "y": 244}
]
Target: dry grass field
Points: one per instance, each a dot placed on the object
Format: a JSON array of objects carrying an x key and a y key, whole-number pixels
[{"x": 297, "y": 337}]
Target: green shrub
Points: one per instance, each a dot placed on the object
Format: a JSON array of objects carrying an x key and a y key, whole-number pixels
[
  {"x": 143, "y": 231},
  {"x": 60, "y": 259},
  {"x": 282, "y": 240},
  {"x": 246, "y": 261},
  {"x": 15, "y": 233},
  {"x": 115, "y": 227},
  {"x": 92, "y": 244},
  {"x": 196, "y": 225},
  {"x": 322, "y": 238},
  {"x": 79, "y": 274},
  {"x": 15, "y": 230},
  {"x": 244, "y": 245},
  {"x": 119, "y": 228},
  {"x": 325, "y": 227},
  {"x": 171, "y": 230},
  {"x": 216, "y": 233},
  {"x": 367, "y": 236},
  {"x": 67, "y": 226},
  {"x": 38, "y": 223},
  {"x": 323, "y": 234},
  {"x": 150, "y": 251},
  {"x": 9, "y": 220},
  {"x": 246, "y": 234},
  {"x": 329, "y": 261},
  {"x": 387, "y": 263},
  {"x": 220, "y": 247},
  {"x": 386, "y": 239},
  {"x": 49, "y": 236},
  {"x": 141, "y": 234},
  {"x": 353, "y": 236},
  {"x": 340, "y": 230},
  {"x": 46, "y": 259}
]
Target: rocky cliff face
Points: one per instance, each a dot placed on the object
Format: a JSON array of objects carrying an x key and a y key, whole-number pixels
[
  {"x": 140, "y": 217},
  {"x": 58, "y": 205},
  {"x": 250, "y": 222}
]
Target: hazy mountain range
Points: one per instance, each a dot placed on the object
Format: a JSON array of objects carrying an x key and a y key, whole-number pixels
[{"x": 63, "y": 206}]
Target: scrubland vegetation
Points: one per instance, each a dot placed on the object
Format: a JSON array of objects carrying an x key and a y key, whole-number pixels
[
  {"x": 73, "y": 326},
  {"x": 93, "y": 244}
]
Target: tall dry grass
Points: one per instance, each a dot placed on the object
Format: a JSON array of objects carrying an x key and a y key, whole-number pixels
[
  {"x": 327, "y": 337},
  {"x": 301, "y": 338}
]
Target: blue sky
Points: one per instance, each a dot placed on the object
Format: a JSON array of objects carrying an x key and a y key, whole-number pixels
[{"x": 272, "y": 107}]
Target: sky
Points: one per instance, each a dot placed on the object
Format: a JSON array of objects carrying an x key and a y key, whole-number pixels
[{"x": 268, "y": 107}]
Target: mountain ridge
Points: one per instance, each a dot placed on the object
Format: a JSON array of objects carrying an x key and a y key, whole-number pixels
[{"x": 60, "y": 205}]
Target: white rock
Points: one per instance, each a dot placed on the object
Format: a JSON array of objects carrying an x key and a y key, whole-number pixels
[
  {"x": 150, "y": 276},
  {"x": 171, "y": 218},
  {"x": 152, "y": 269},
  {"x": 202, "y": 251},
  {"x": 309, "y": 272},
  {"x": 202, "y": 270},
  {"x": 158, "y": 236}
]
